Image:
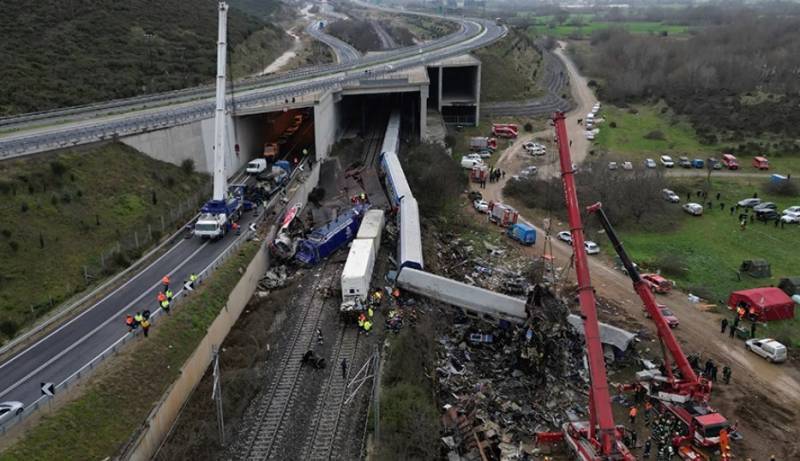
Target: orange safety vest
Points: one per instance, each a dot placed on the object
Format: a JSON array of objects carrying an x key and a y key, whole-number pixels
[
  {"x": 165, "y": 280},
  {"x": 129, "y": 320},
  {"x": 161, "y": 296}
]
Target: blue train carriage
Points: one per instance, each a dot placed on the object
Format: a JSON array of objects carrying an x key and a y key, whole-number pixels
[
  {"x": 325, "y": 240},
  {"x": 409, "y": 248}
]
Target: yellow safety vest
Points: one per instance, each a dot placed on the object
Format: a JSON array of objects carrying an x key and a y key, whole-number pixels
[
  {"x": 138, "y": 318},
  {"x": 369, "y": 312},
  {"x": 145, "y": 323},
  {"x": 165, "y": 304},
  {"x": 367, "y": 325}
]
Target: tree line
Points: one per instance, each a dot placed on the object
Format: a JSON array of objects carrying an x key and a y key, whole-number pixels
[{"x": 741, "y": 77}]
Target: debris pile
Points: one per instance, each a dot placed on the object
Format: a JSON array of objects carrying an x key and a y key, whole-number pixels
[
  {"x": 277, "y": 277},
  {"x": 501, "y": 385}
]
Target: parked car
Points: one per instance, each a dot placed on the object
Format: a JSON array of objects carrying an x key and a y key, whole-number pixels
[
  {"x": 666, "y": 160},
  {"x": 684, "y": 161},
  {"x": 534, "y": 148},
  {"x": 694, "y": 209},
  {"x": 669, "y": 316},
  {"x": 481, "y": 205},
  {"x": 749, "y": 202},
  {"x": 768, "y": 348},
  {"x": 481, "y": 154},
  {"x": 650, "y": 163},
  {"x": 565, "y": 236},
  {"x": 763, "y": 206},
  {"x": 612, "y": 166},
  {"x": 791, "y": 209},
  {"x": 730, "y": 162},
  {"x": 761, "y": 163},
  {"x": 591, "y": 247},
  {"x": 791, "y": 218},
  {"x": 469, "y": 162},
  {"x": 627, "y": 166},
  {"x": 474, "y": 195},
  {"x": 590, "y": 135},
  {"x": 714, "y": 162},
  {"x": 10, "y": 409},
  {"x": 698, "y": 163},
  {"x": 528, "y": 171},
  {"x": 657, "y": 283},
  {"x": 767, "y": 215},
  {"x": 670, "y": 196}
]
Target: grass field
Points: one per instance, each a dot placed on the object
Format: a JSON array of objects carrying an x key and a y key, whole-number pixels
[
  {"x": 585, "y": 31},
  {"x": 712, "y": 247},
  {"x": 117, "y": 400},
  {"x": 61, "y": 211},
  {"x": 510, "y": 69}
]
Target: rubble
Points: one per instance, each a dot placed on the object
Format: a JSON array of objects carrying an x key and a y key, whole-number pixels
[{"x": 277, "y": 277}]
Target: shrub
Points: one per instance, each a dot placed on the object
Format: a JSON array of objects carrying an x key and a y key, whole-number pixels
[
  {"x": 6, "y": 233},
  {"x": 435, "y": 178},
  {"x": 24, "y": 207},
  {"x": 655, "y": 135},
  {"x": 9, "y": 328},
  {"x": 58, "y": 168},
  {"x": 672, "y": 265},
  {"x": 170, "y": 182},
  {"x": 612, "y": 124},
  {"x": 187, "y": 166},
  {"x": 66, "y": 198},
  {"x": 528, "y": 127},
  {"x": 14, "y": 246},
  {"x": 450, "y": 140},
  {"x": 786, "y": 188}
]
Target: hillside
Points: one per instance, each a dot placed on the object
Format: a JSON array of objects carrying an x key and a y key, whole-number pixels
[
  {"x": 62, "y": 211},
  {"x": 63, "y": 53}
]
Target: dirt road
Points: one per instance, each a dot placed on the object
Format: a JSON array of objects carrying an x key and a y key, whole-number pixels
[{"x": 762, "y": 397}]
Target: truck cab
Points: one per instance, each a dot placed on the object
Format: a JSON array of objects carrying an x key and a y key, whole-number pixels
[
  {"x": 761, "y": 163},
  {"x": 256, "y": 166},
  {"x": 699, "y": 423}
]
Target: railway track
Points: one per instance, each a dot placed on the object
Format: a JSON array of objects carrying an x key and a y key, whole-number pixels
[
  {"x": 372, "y": 144},
  {"x": 321, "y": 444},
  {"x": 271, "y": 415}
]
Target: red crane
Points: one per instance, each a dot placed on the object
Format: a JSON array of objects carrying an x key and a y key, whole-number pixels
[
  {"x": 685, "y": 395},
  {"x": 600, "y": 438}
]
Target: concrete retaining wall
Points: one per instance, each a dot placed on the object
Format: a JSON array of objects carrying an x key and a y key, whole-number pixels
[
  {"x": 325, "y": 125},
  {"x": 164, "y": 415}
]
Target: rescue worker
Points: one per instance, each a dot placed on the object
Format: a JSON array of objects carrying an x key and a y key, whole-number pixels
[
  {"x": 165, "y": 305},
  {"x": 632, "y": 415},
  {"x": 192, "y": 279},
  {"x": 735, "y": 325},
  {"x": 724, "y": 325},
  {"x": 370, "y": 313},
  {"x": 361, "y": 321},
  {"x": 138, "y": 319},
  {"x": 161, "y": 296},
  {"x": 344, "y": 368},
  {"x": 367, "y": 326},
  {"x": 319, "y": 335},
  {"x": 145, "y": 326},
  {"x": 129, "y": 322},
  {"x": 146, "y": 314},
  {"x": 753, "y": 330},
  {"x": 648, "y": 445},
  {"x": 726, "y": 374},
  {"x": 648, "y": 408},
  {"x": 235, "y": 227},
  {"x": 165, "y": 282},
  {"x": 169, "y": 295}
]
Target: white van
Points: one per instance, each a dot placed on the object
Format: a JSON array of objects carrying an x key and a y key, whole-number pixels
[
  {"x": 469, "y": 162},
  {"x": 257, "y": 166},
  {"x": 768, "y": 348}
]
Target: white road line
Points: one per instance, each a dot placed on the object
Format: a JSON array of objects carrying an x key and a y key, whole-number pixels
[
  {"x": 97, "y": 328},
  {"x": 31, "y": 347}
]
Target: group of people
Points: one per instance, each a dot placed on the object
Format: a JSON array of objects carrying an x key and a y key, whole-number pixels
[
  {"x": 710, "y": 370},
  {"x": 163, "y": 299},
  {"x": 734, "y": 325}
]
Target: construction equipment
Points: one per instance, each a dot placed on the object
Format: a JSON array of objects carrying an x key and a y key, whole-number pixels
[
  {"x": 224, "y": 208},
  {"x": 599, "y": 438},
  {"x": 683, "y": 394}
]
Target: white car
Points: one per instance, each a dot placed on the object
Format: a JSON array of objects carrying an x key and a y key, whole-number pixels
[
  {"x": 612, "y": 166},
  {"x": 670, "y": 196},
  {"x": 481, "y": 205},
  {"x": 528, "y": 171},
  {"x": 791, "y": 209},
  {"x": 590, "y": 135},
  {"x": 749, "y": 202},
  {"x": 591, "y": 247},
  {"x": 469, "y": 162},
  {"x": 694, "y": 209},
  {"x": 9, "y": 410},
  {"x": 666, "y": 160},
  {"x": 627, "y": 166},
  {"x": 791, "y": 218},
  {"x": 768, "y": 348},
  {"x": 565, "y": 236},
  {"x": 649, "y": 163}
]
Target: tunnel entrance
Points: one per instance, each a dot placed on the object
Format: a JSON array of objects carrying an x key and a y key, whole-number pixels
[
  {"x": 433, "y": 92},
  {"x": 278, "y": 135},
  {"x": 364, "y": 113}
]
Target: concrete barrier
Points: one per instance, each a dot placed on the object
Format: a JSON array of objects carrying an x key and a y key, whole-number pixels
[{"x": 163, "y": 416}]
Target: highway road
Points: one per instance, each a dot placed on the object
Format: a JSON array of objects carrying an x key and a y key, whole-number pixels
[
  {"x": 344, "y": 52},
  {"x": 32, "y": 133},
  {"x": 83, "y": 337}
]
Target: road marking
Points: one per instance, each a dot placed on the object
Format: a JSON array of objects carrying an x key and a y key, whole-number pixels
[
  {"x": 29, "y": 348},
  {"x": 97, "y": 328}
]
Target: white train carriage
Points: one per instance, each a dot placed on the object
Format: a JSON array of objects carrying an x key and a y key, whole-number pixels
[
  {"x": 391, "y": 138},
  {"x": 409, "y": 247}
]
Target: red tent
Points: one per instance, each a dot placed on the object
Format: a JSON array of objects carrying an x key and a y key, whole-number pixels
[{"x": 770, "y": 303}]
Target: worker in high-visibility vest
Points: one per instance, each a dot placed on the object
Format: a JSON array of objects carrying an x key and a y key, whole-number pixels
[
  {"x": 165, "y": 282},
  {"x": 129, "y": 322},
  {"x": 165, "y": 305},
  {"x": 370, "y": 313},
  {"x": 169, "y": 294},
  {"x": 193, "y": 279},
  {"x": 367, "y": 326},
  {"x": 161, "y": 296},
  {"x": 137, "y": 319}
]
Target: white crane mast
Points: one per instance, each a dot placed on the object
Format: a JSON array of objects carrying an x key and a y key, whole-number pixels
[{"x": 220, "y": 180}]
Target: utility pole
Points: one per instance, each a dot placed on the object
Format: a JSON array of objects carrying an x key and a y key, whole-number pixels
[{"x": 216, "y": 395}]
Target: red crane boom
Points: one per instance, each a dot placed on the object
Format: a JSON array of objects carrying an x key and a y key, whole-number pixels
[{"x": 603, "y": 436}]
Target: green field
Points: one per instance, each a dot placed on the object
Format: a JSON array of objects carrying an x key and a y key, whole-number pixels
[
  {"x": 711, "y": 247},
  {"x": 61, "y": 211},
  {"x": 585, "y": 31}
]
